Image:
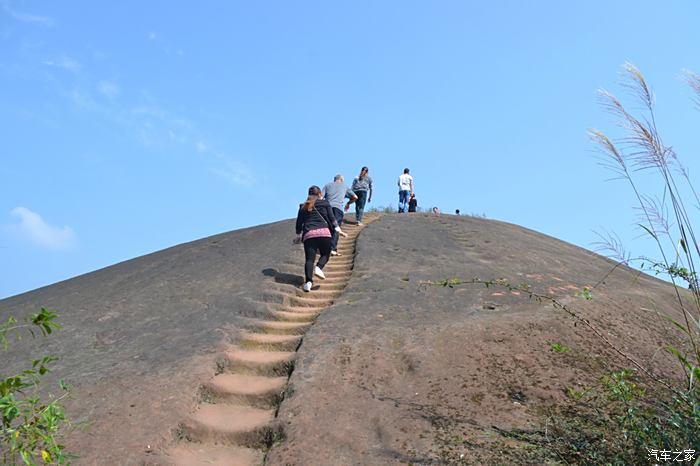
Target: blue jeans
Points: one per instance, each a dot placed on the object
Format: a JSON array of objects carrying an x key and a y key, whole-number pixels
[
  {"x": 338, "y": 213},
  {"x": 360, "y": 204},
  {"x": 404, "y": 196}
]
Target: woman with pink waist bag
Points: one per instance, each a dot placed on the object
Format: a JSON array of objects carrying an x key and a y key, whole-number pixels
[{"x": 314, "y": 222}]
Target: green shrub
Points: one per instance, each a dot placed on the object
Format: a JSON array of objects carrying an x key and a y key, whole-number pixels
[{"x": 30, "y": 424}]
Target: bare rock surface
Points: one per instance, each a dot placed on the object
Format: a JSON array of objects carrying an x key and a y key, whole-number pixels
[
  {"x": 140, "y": 337},
  {"x": 399, "y": 372},
  {"x": 395, "y": 371}
]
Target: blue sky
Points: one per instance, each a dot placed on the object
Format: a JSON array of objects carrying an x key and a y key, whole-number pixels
[{"x": 129, "y": 127}]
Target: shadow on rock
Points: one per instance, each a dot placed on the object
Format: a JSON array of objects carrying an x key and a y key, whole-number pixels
[{"x": 281, "y": 277}]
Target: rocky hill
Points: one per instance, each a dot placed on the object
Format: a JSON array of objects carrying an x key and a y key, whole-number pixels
[{"x": 184, "y": 356}]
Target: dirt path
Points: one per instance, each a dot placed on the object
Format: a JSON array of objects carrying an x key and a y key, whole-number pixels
[{"x": 235, "y": 422}]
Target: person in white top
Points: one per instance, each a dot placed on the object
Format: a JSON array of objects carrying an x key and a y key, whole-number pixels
[{"x": 405, "y": 190}]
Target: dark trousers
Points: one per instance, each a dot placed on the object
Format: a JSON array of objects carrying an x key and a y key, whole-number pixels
[
  {"x": 360, "y": 204},
  {"x": 311, "y": 246},
  {"x": 338, "y": 214}
]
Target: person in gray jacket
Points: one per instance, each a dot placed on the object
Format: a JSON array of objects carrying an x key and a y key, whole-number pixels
[
  {"x": 336, "y": 193},
  {"x": 362, "y": 187}
]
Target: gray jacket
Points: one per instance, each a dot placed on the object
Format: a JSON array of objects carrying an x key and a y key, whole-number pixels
[{"x": 335, "y": 193}]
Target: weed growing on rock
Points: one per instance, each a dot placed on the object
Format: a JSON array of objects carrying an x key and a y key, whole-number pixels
[
  {"x": 559, "y": 348},
  {"x": 382, "y": 210}
]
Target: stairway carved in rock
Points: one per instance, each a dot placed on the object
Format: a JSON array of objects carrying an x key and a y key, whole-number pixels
[{"x": 234, "y": 424}]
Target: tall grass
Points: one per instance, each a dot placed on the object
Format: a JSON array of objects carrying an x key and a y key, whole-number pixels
[{"x": 665, "y": 216}]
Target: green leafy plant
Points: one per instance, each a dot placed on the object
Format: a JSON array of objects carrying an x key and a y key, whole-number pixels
[
  {"x": 559, "y": 348},
  {"x": 585, "y": 293},
  {"x": 30, "y": 424}
]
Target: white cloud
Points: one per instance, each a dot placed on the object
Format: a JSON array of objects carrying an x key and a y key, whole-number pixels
[
  {"x": 82, "y": 99},
  {"x": 201, "y": 147},
  {"x": 33, "y": 228},
  {"x": 152, "y": 35},
  {"x": 26, "y": 17},
  {"x": 65, "y": 63},
  {"x": 235, "y": 173},
  {"x": 109, "y": 89},
  {"x": 155, "y": 126}
]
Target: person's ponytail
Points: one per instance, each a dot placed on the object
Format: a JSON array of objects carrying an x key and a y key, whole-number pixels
[{"x": 314, "y": 192}]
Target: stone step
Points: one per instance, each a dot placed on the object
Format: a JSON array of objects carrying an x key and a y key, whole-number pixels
[
  {"x": 344, "y": 257},
  {"x": 268, "y": 363},
  {"x": 332, "y": 270},
  {"x": 342, "y": 275},
  {"x": 332, "y": 284},
  {"x": 195, "y": 454},
  {"x": 336, "y": 271},
  {"x": 279, "y": 290},
  {"x": 291, "y": 316},
  {"x": 315, "y": 310},
  {"x": 318, "y": 291},
  {"x": 309, "y": 300},
  {"x": 230, "y": 425},
  {"x": 305, "y": 299},
  {"x": 280, "y": 327},
  {"x": 252, "y": 390},
  {"x": 347, "y": 263},
  {"x": 337, "y": 267},
  {"x": 343, "y": 254},
  {"x": 346, "y": 245},
  {"x": 267, "y": 341}
]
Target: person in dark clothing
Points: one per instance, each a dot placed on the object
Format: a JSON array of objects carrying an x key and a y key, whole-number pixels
[
  {"x": 314, "y": 222},
  {"x": 412, "y": 203}
]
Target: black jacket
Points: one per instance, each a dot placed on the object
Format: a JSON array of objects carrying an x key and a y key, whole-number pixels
[{"x": 321, "y": 216}]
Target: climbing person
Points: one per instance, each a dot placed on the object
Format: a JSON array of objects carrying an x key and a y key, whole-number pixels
[
  {"x": 405, "y": 189},
  {"x": 436, "y": 211},
  {"x": 335, "y": 193},
  {"x": 412, "y": 203},
  {"x": 315, "y": 221},
  {"x": 362, "y": 187}
]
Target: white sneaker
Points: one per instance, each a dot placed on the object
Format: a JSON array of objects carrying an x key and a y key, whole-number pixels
[
  {"x": 307, "y": 286},
  {"x": 360, "y": 224},
  {"x": 319, "y": 273}
]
